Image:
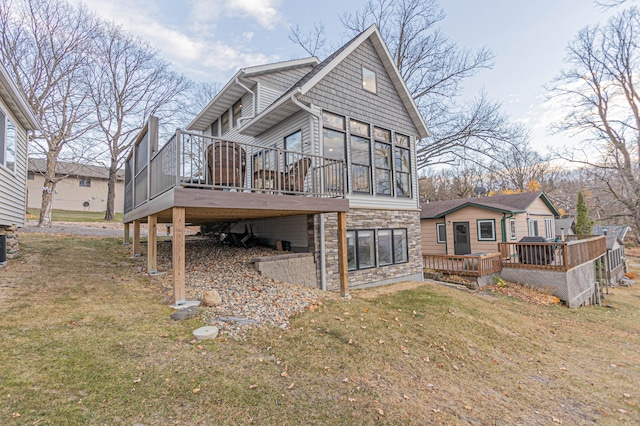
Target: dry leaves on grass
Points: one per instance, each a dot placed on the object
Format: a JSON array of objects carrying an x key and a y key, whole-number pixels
[{"x": 523, "y": 292}]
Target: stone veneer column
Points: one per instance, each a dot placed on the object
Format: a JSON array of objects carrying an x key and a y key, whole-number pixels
[{"x": 13, "y": 247}]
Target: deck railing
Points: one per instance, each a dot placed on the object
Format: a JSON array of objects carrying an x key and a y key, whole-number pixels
[
  {"x": 193, "y": 160},
  {"x": 560, "y": 256},
  {"x": 469, "y": 265}
]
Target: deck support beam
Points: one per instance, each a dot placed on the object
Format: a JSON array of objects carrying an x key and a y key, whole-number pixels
[
  {"x": 127, "y": 235},
  {"x": 152, "y": 245},
  {"x": 136, "y": 238},
  {"x": 178, "y": 258},
  {"x": 343, "y": 261}
]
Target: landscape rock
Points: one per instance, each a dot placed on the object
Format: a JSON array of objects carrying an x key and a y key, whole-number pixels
[
  {"x": 211, "y": 298},
  {"x": 627, "y": 282},
  {"x": 206, "y": 332},
  {"x": 186, "y": 313}
]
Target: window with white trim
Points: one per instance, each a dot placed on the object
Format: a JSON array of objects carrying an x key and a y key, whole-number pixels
[
  {"x": 441, "y": 231},
  {"x": 369, "y": 82},
  {"x": 486, "y": 230},
  {"x": 7, "y": 142},
  {"x": 548, "y": 227},
  {"x": 382, "y": 160},
  {"x": 533, "y": 228},
  {"x": 512, "y": 229}
]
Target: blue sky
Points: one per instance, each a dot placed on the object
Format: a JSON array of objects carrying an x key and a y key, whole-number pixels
[{"x": 210, "y": 40}]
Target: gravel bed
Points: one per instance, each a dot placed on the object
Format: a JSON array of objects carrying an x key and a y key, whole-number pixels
[{"x": 248, "y": 299}]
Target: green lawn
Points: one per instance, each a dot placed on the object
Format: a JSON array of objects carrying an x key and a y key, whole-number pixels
[
  {"x": 86, "y": 339},
  {"x": 73, "y": 216}
]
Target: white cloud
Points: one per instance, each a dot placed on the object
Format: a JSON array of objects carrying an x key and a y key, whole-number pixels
[
  {"x": 192, "y": 50},
  {"x": 206, "y": 13}
]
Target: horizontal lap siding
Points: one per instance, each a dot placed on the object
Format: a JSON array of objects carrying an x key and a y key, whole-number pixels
[
  {"x": 428, "y": 230},
  {"x": 13, "y": 188},
  {"x": 472, "y": 215},
  {"x": 275, "y": 135}
]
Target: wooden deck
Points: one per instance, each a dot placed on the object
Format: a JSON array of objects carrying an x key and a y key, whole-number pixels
[
  {"x": 467, "y": 265},
  {"x": 204, "y": 206}
]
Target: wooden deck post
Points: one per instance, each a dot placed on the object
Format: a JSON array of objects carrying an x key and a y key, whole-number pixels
[
  {"x": 343, "y": 262},
  {"x": 136, "y": 238},
  {"x": 127, "y": 236},
  {"x": 178, "y": 257},
  {"x": 152, "y": 245}
]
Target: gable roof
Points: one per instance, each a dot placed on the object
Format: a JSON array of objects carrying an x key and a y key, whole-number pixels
[
  {"x": 617, "y": 230},
  {"x": 39, "y": 165},
  {"x": 232, "y": 91},
  {"x": 512, "y": 203},
  {"x": 568, "y": 223},
  {"x": 16, "y": 101},
  {"x": 285, "y": 106}
]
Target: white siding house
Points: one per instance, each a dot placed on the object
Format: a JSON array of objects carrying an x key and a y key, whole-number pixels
[{"x": 16, "y": 118}]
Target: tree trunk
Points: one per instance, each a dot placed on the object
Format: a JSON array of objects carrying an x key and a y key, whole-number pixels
[
  {"x": 48, "y": 190},
  {"x": 110, "y": 213}
]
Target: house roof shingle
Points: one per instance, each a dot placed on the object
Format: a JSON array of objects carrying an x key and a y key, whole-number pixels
[
  {"x": 39, "y": 165},
  {"x": 619, "y": 231},
  {"x": 512, "y": 203}
]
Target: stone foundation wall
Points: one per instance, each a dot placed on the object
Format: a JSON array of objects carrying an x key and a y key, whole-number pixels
[
  {"x": 372, "y": 219},
  {"x": 294, "y": 268},
  {"x": 13, "y": 247}
]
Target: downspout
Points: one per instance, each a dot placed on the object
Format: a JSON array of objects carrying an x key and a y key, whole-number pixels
[
  {"x": 504, "y": 226},
  {"x": 253, "y": 95},
  {"x": 323, "y": 259}
]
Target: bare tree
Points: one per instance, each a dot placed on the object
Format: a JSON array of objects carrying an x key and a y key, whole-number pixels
[
  {"x": 45, "y": 45},
  {"x": 434, "y": 69},
  {"x": 601, "y": 95},
  {"x": 313, "y": 42},
  {"x": 519, "y": 167},
  {"x": 129, "y": 83}
]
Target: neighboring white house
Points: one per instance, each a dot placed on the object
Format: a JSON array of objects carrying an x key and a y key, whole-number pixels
[
  {"x": 81, "y": 187},
  {"x": 16, "y": 118}
]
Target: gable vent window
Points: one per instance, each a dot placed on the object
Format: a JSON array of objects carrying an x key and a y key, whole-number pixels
[{"x": 369, "y": 82}]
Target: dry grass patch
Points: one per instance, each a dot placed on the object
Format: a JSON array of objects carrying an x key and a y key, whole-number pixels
[{"x": 86, "y": 340}]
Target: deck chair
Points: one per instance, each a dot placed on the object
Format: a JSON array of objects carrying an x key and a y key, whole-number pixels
[
  {"x": 226, "y": 164},
  {"x": 295, "y": 176}
]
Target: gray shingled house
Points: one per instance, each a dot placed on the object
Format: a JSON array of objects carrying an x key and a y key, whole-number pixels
[
  {"x": 320, "y": 155},
  {"x": 16, "y": 118}
]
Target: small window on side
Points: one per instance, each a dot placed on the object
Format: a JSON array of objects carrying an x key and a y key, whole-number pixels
[
  {"x": 513, "y": 231},
  {"x": 369, "y": 82},
  {"x": 224, "y": 122},
  {"x": 237, "y": 112},
  {"x": 31, "y": 176},
  {"x": 486, "y": 230},
  {"x": 442, "y": 233}
]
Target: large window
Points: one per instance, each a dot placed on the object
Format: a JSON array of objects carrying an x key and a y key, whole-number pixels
[
  {"x": 382, "y": 160},
  {"x": 293, "y": 142},
  {"x": 361, "y": 251},
  {"x": 334, "y": 141},
  {"x": 7, "y": 142},
  {"x": 369, "y": 82},
  {"x": 237, "y": 112},
  {"x": 392, "y": 246},
  {"x": 360, "y": 157},
  {"x": 224, "y": 122},
  {"x": 441, "y": 230},
  {"x": 487, "y": 230}
]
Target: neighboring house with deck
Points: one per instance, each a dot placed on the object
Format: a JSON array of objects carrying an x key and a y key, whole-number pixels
[
  {"x": 513, "y": 236},
  {"x": 321, "y": 155},
  {"x": 477, "y": 225},
  {"x": 16, "y": 119},
  {"x": 81, "y": 187}
]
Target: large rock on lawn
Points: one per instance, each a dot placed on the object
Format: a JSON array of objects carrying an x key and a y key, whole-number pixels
[{"x": 211, "y": 298}]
